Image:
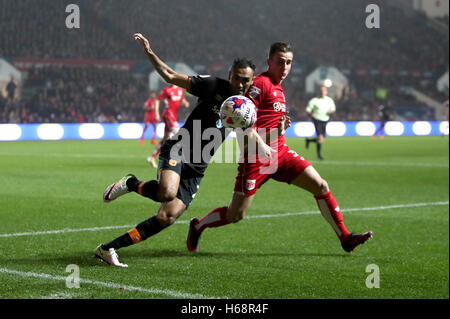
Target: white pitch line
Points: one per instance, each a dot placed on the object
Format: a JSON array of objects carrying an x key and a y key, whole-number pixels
[
  {"x": 153, "y": 291},
  {"x": 348, "y": 210},
  {"x": 400, "y": 164},
  {"x": 60, "y": 231}
]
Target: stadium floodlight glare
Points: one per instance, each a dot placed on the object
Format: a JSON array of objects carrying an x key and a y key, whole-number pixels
[
  {"x": 130, "y": 130},
  {"x": 443, "y": 127},
  {"x": 91, "y": 131},
  {"x": 336, "y": 128},
  {"x": 10, "y": 132},
  {"x": 328, "y": 83},
  {"x": 304, "y": 129},
  {"x": 365, "y": 128},
  {"x": 394, "y": 128},
  {"x": 50, "y": 131},
  {"x": 421, "y": 128}
]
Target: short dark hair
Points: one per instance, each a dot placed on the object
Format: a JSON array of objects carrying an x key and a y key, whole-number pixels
[
  {"x": 243, "y": 63},
  {"x": 279, "y": 46}
]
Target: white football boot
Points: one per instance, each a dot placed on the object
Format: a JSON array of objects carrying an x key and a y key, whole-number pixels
[
  {"x": 108, "y": 256},
  {"x": 152, "y": 161},
  {"x": 117, "y": 189}
]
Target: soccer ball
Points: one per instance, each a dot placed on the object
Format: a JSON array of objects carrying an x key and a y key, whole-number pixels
[{"x": 238, "y": 111}]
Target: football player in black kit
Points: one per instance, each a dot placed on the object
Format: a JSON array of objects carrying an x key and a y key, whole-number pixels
[{"x": 182, "y": 161}]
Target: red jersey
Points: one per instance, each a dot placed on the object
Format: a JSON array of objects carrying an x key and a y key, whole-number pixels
[
  {"x": 173, "y": 95},
  {"x": 150, "y": 105},
  {"x": 270, "y": 103}
]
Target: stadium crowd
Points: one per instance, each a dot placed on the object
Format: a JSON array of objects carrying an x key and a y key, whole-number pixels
[{"x": 212, "y": 34}]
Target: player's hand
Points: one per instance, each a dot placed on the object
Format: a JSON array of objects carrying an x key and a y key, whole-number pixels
[
  {"x": 283, "y": 124},
  {"x": 143, "y": 41},
  {"x": 268, "y": 151},
  {"x": 157, "y": 118}
]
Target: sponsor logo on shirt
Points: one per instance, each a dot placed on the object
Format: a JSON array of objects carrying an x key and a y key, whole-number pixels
[
  {"x": 172, "y": 162},
  {"x": 279, "y": 107},
  {"x": 250, "y": 184},
  {"x": 216, "y": 109},
  {"x": 254, "y": 92}
]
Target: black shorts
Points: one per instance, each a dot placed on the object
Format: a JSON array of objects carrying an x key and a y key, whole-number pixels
[
  {"x": 189, "y": 178},
  {"x": 321, "y": 127}
]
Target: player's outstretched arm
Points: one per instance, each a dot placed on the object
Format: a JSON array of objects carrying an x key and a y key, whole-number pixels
[
  {"x": 252, "y": 138},
  {"x": 169, "y": 75}
]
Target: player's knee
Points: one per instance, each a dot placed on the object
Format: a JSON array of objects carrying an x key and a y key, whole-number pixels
[
  {"x": 166, "y": 218},
  {"x": 166, "y": 194},
  {"x": 235, "y": 216},
  {"x": 323, "y": 186},
  {"x": 320, "y": 139}
]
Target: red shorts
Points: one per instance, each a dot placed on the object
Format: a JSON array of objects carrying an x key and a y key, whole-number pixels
[
  {"x": 284, "y": 168},
  {"x": 149, "y": 118},
  {"x": 170, "y": 121}
]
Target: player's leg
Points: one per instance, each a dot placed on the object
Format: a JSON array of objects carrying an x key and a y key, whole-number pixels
[
  {"x": 383, "y": 123},
  {"x": 311, "y": 181},
  {"x": 143, "y": 133},
  {"x": 166, "y": 216},
  {"x": 162, "y": 190},
  {"x": 154, "y": 133},
  {"x": 218, "y": 217},
  {"x": 311, "y": 139},
  {"x": 320, "y": 140},
  {"x": 170, "y": 130},
  {"x": 248, "y": 180}
]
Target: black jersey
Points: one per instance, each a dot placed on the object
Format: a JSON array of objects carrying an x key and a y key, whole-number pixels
[{"x": 202, "y": 133}]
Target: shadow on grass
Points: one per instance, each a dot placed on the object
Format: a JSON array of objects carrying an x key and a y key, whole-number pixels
[{"x": 87, "y": 258}]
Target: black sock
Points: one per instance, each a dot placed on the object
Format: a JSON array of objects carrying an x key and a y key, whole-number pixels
[
  {"x": 119, "y": 242},
  {"x": 132, "y": 184},
  {"x": 319, "y": 150},
  {"x": 312, "y": 140},
  {"x": 149, "y": 228},
  {"x": 147, "y": 189},
  {"x": 144, "y": 230}
]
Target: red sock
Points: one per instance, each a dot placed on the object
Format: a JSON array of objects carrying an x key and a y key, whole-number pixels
[
  {"x": 215, "y": 218},
  {"x": 332, "y": 213},
  {"x": 156, "y": 151}
]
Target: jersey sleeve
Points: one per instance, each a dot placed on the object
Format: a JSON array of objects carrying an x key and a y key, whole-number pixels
[
  {"x": 310, "y": 105},
  {"x": 256, "y": 92},
  {"x": 162, "y": 95},
  {"x": 201, "y": 85}
]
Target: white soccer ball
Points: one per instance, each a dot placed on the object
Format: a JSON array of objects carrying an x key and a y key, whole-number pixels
[{"x": 238, "y": 111}]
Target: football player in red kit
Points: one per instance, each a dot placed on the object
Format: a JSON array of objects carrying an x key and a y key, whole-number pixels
[
  {"x": 151, "y": 116},
  {"x": 174, "y": 96},
  {"x": 286, "y": 166}
]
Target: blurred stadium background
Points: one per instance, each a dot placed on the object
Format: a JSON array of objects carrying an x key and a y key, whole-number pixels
[{"x": 97, "y": 73}]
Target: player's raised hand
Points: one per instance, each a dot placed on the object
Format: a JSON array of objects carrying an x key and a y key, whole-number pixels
[{"x": 143, "y": 41}]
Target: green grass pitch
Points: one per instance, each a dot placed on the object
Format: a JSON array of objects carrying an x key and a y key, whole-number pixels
[{"x": 52, "y": 216}]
